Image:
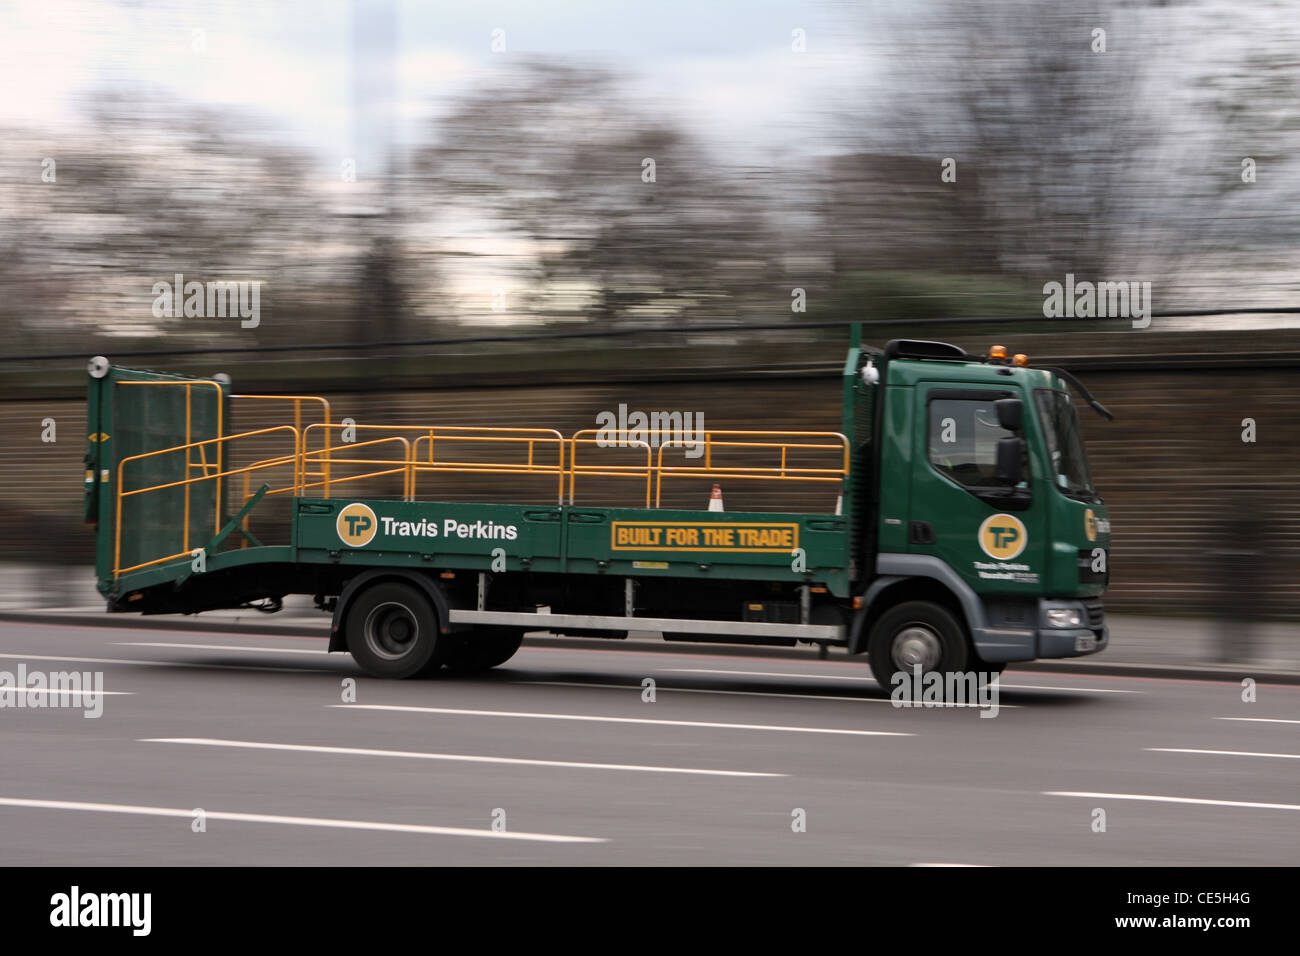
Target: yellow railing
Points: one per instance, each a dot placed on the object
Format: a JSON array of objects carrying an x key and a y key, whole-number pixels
[
  {"x": 536, "y": 452},
  {"x": 529, "y": 440},
  {"x": 186, "y": 482},
  {"x": 390, "y": 466},
  {"x": 782, "y": 472},
  {"x": 645, "y": 471}
]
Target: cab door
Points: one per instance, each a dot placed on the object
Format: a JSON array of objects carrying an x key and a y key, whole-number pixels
[{"x": 993, "y": 535}]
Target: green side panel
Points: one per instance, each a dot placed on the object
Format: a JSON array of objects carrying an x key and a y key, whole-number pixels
[
  {"x": 622, "y": 541},
  {"x": 431, "y": 533},
  {"x": 147, "y": 418},
  {"x": 734, "y": 545}
]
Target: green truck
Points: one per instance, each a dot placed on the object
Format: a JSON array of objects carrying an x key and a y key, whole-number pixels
[{"x": 956, "y": 528}]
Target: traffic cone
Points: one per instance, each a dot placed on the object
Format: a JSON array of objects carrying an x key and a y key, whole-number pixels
[{"x": 715, "y": 499}]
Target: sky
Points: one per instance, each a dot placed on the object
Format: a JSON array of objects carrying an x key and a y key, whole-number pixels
[{"x": 725, "y": 69}]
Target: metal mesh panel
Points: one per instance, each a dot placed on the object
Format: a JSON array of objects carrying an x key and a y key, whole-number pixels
[{"x": 149, "y": 418}]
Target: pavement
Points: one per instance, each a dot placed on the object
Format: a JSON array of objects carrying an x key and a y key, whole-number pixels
[{"x": 227, "y": 748}]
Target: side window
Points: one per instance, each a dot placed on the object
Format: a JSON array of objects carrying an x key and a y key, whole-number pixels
[{"x": 963, "y": 439}]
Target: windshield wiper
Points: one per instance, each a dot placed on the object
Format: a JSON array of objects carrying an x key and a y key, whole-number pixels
[{"x": 1086, "y": 395}]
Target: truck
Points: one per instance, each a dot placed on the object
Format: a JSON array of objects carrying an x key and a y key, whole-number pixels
[{"x": 954, "y": 526}]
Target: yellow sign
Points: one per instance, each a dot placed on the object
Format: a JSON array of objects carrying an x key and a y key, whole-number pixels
[
  {"x": 1003, "y": 536},
  {"x": 356, "y": 525},
  {"x": 98, "y": 436},
  {"x": 736, "y": 537},
  {"x": 1090, "y": 525}
]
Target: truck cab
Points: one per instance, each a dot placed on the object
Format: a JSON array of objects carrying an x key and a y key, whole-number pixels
[{"x": 984, "y": 509}]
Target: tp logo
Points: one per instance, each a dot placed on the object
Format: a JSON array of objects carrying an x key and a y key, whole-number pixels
[
  {"x": 356, "y": 525},
  {"x": 1003, "y": 536}
]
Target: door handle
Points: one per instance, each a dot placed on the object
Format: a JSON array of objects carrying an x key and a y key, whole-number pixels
[{"x": 922, "y": 532}]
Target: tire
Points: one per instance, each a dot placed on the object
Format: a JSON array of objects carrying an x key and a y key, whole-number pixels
[
  {"x": 484, "y": 648},
  {"x": 916, "y": 632},
  {"x": 392, "y": 631}
]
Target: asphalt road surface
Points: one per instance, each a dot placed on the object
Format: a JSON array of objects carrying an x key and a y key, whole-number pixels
[{"x": 558, "y": 758}]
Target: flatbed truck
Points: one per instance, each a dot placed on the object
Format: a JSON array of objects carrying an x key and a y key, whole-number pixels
[{"x": 965, "y": 535}]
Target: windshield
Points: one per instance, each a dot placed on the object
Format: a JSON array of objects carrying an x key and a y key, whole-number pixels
[{"x": 1064, "y": 444}]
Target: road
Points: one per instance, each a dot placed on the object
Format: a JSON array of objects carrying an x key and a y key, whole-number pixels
[{"x": 561, "y": 749}]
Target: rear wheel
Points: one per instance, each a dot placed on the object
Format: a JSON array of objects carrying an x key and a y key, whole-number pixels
[
  {"x": 484, "y": 648},
  {"x": 392, "y": 631},
  {"x": 916, "y": 634}
]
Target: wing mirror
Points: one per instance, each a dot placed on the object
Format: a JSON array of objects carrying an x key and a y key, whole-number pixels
[{"x": 1011, "y": 413}]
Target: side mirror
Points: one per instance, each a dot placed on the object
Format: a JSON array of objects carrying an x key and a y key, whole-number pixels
[
  {"x": 1010, "y": 451},
  {"x": 1011, "y": 413}
]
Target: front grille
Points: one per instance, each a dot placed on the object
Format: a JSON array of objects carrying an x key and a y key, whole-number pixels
[{"x": 1096, "y": 613}]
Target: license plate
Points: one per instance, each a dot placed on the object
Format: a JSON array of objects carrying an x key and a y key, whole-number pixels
[{"x": 1088, "y": 643}]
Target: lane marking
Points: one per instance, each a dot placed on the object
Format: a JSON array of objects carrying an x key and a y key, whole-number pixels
[
  {"x": 708, "y": 670},
  {"x": 981, "y": 865},
  {"x": 461, "y": 758},
  {"x": 622, "y": 720},
  {"x": 295, "y": 821},
  {"x": 1261, "y": 720},
  {"x": 1158, "y": 799},
  {"x": 71, "y": 693},
  {"x": 222, "y": 647},
  {"x": 147, "y": 663},
  {"x": 1221, "y": 753},
  {"x": 748, "y": 693}
]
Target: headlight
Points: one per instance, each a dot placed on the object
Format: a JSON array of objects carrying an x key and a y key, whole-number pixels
[{"x": 1064, "y": 617}]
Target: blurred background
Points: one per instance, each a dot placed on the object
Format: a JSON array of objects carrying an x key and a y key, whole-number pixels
[{"x": 523, "y": 213}]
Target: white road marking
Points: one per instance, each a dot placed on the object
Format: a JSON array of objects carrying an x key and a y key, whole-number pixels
[
  {"x": 295, "y": 821},
  {"x": 622, "y": 720},
  {"x": 1081, "y": 690},
  {"x": 948, "y": 864},
  {"x": 461, "y": 758},
  {"x": 1158, "y": 799},
  {"x": 1261, "y": 720},
  {"x": 223, "y": 647},
  {"x": 1004, "y": 686},
  {"x": 49, "y": 690},
  {"x": 1221, "y": 753},
  {"x": 745, "y": 693},
  {"x": 145, "y": 663}
]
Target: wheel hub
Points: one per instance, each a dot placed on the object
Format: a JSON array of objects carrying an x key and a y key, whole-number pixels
[
  {"x": 916, "y": 645},
  {"x": 391, "y": 630}
]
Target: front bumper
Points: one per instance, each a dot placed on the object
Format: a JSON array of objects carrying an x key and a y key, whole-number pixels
[
  {"x": 996, "y": 642},
  {"x": 1075, "y": 642}
]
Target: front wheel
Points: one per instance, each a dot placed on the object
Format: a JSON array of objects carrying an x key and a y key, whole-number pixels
[{"x": 916, "y": 634}]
